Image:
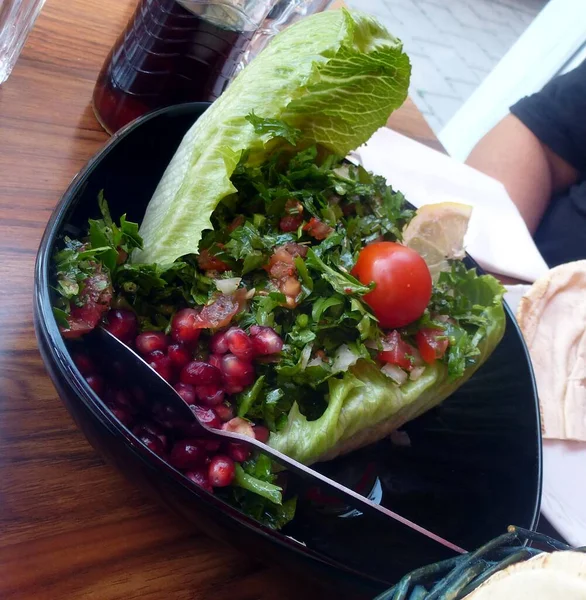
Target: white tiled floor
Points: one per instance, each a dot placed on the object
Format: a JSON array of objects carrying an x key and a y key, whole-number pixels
[{"x": 453, "y": 44}]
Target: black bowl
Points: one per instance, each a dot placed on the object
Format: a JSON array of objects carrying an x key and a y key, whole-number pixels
[{"x": 473, "y": 465}]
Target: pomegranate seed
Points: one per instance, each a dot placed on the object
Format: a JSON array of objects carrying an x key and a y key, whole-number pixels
[
  {"x": 200, "y": 373},
  {"x": 207, "y": 416},
  {"x": 122, "y": 414},
  {"x": 138, "y": 396},
  {"x": 211, "y": 446},
  {"x": 149, "y": 341},
  {"x": 236, "y": 369},
  {"x": 200, "y": 478},
  {"x": 224, "y": 412},
  {"x": 186, "y": 391},
  {"x": 85, "y": 364},
  {"x": 219, "y": 343},
  {"x": 184, "y": 326},
  {"x": 152, "y": 442},
  {"x": 209, "y": 395},
  {"x": 239, "y": 343},
  {"x": 215, "y": 360},
  {"x": 161, "y": 364},
  {"x": 265, "y": 340},
  {"x": 119, "y": 398},
  {"x": 122, "y": 323},
  {"x": 96, "y": 383},
  {"x": 179, "y": 355},
  {"x": 186, "y": 454},
  {"x": 239, "y": 425},
  {"x": 290, "y": 223},
  {"x": 221, "y": 471},
  {"x": 166, "y": 416},
  {"x": 261, "y": 433},
  {"x": 152, "y": 429},
  {"x": 238, "y": 452},
  {"x": 232, "y": 386}
]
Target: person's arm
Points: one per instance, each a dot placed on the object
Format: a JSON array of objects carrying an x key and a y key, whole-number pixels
[
  {"x": 530, "y": 171},
  {"x": 539, "y": 149}
]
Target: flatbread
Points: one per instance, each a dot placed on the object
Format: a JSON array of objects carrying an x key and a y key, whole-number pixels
[
  {"x": 552, "y": 317},
  {"x": 556, "y": 576}
]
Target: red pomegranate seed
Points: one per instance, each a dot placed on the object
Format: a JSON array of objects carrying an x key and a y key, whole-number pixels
[
  {"x": 238, "y": 452},
  {"x": 221, "y": 471},
  {"x": 84, "y": 363},
  {"x": 149, "y": 341},
  {"x": 215, "y": 360},
  {"x": 166, "y": 416},
  {"x": 211, "y": 446},
  {"x": 232, "y": 386},
  {"x": 96, "y": 383},
  {"x": 239, "y": 425},
  {"x": 152, "y": 429},
  {"x": 184, "y": 326},
  {"x": 120, "y": 398},
  {"x": 200, "y": 373},
  {"x": 152, "y": 442},
  {"x": 186, "y": 391},
  {"x": 207, "y": 416},
  {"x": 201, "y": 478},
  {"x": 122, "y": 323},
  {"x": 210, "y": 395},
  {"x": 239, "y": 343},
  {"x": 122, "y": 414},
  {"x": 261, "y": 433},
  {"x": 219, "y": 343},
  {"x": 224, "y": 412},
  {"x": 161, "y": 364},
  {"x": 290, "y": 223},
  {"x": 179, "y": 355},
  {"x": 187, "y": 454},
  {"x": 240, "y": 371},
  {"x": 265, "y": 340}
]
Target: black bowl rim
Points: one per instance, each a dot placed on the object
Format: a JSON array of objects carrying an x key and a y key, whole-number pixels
[{"x": 49, "y": 331}]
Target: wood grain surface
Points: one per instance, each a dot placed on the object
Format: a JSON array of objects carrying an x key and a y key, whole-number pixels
[{"x": 70, "y": 526}]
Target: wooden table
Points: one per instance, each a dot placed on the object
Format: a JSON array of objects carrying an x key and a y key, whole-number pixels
[{"x": 70, "y": 526}]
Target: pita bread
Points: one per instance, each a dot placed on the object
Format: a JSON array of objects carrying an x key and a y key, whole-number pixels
[
  {"x": 556, "y": 576},
  {"x": 552, "y": 317}
]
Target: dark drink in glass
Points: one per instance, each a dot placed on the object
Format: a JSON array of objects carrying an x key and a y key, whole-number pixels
[{"x": 166, "y": 55}]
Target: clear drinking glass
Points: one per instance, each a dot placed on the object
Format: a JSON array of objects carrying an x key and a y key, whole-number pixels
[
  {"x": 17, "y": 18},
  {"x": 283, "y": 14}
]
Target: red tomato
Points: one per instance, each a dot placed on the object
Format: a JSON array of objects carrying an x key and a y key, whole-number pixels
[
  {"x": 396, "y": 351},
  {"x": 432, "y": 344},
  {"x": 403, "y": 282}
]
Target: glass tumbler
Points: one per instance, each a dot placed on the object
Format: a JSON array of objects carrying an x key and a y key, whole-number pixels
[
  {"x": 174, "y": 51},
  {"x": 17, "y": 18}
]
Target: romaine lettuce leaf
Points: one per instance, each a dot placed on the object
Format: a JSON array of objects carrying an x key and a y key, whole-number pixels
[
  {"x": 364, "y": 405},
  {"x": 335, "y": 76}
]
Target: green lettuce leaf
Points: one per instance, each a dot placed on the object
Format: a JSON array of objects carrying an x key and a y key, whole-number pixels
[
  {"x": 364, "y": 405},
  {"x": 335, "y": 77}
]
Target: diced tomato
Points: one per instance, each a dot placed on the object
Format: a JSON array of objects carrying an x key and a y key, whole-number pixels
[
  {"x": 397, "y": 351},
  {"x": 209, "y": 262},
  {"x": 432, "y": 344},
  {"x": 96, "y": 296},
  {"x": 295, "y": 250},
  {"x": 221, "y": 312},
  {"x": 317, "y": 229},
  {"x": 239, "y": 220}
]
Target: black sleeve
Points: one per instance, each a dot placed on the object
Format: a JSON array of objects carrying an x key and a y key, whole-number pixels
[{"x": 557, "y": 116}]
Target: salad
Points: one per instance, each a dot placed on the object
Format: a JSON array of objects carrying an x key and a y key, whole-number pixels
[{"x": 270, "y": 280}]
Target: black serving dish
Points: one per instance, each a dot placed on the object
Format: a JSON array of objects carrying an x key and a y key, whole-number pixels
[{"x": 473, "y": 465}]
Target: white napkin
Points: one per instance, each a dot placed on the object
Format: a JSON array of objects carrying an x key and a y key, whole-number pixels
[{"x": 497, "y": 236}]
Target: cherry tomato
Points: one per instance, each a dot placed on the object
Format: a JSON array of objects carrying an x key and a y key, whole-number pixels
[
  {"x": 403, "y": 282},
  {"x": 432, "y": 344},
  {"x": 397, "y": 351}
]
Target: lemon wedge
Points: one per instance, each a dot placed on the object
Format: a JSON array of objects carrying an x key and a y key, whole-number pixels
[{"x": 437, "y": 233}]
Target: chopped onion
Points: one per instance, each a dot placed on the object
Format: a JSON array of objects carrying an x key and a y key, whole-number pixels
[
  {"x": 250, "y": 294},
  {"x": 315, "y": 362},
  {"x": 395, "y": 373},
  {"x": 228, "y": 286},
  {"x": 416, "y": 373},
  {"x": 344, "y": 359}
]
